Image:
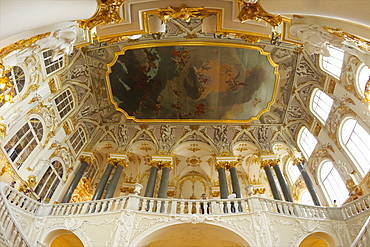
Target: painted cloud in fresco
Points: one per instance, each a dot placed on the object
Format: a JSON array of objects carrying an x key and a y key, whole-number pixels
[{"x": 192, "y": 82}]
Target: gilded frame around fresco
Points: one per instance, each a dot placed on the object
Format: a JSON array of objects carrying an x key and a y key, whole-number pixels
[{"x": 192, "y": 43}]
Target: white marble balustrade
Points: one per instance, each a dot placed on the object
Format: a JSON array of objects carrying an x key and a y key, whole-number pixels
[{"x": 182, "y": 206}]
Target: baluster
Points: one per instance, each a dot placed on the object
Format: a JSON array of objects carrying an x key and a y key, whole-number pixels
[
  {"x": 190, "y": 206},
  {"x": 165, "y": 206},
  {"x": 158, "y": 209},
  {"x": 151, "y": 204},
  {"x": 291, "y": 210},
  {"x": 143, "y": 205},
  {"x": 197, "y": 208},
  {"x": 245, "y": 206},
  {"x": 182, "y": 207}
]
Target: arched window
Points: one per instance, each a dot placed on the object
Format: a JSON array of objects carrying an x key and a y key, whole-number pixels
[
  {"x": 64, "y": 103},
  {"x": 77, "y": 140},
  {"x": 321, "y": 105},
  {"x": 333, "y": 184},
  {"x": 362, "y": 77},
  {"x": 51, "y": 66},
  {"x": 355, "y": 140},
  {"x": 21, "y": 145},
  {"x": 293, "y": 172},
  {"x": 333, "y": 64},
  {"x": 306, "y": 142},
  {"x": 50, "y": 181}
]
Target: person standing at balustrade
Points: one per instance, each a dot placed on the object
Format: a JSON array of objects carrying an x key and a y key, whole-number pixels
[{"x": 203, "y": 197}]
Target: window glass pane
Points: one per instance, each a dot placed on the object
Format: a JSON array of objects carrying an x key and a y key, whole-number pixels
[
  {"x": 321, "y": 105},
  {"x": 356, "y": 143},
  {"x": 307, "y": 142},
  {"x": 363, "y": 77},
  {"x": 64, "y": 103},
  {"x": 51, "y": 66},
  {"x": 334, "y": 186},
  {"x": 333, "y": 64}
]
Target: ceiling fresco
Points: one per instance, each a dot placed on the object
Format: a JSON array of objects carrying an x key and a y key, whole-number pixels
[{"x": 191, "y": 82}]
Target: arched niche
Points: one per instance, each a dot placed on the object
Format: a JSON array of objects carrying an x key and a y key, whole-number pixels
[
  {"x": 62, "y": 238},
  {"x": 187, "y": 234},
  {"x": 318, "y": 239}
]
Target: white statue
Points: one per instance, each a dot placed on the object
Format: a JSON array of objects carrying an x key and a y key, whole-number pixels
[
  {"x": 315, "y": 38},
  {"x": 60, "y": 42}
]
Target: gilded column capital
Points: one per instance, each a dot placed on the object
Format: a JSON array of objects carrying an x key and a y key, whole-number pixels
[
  {"x": 296, "y": 161},
  {"x": 160, "y": 164},
  {"x": 117, "y": 162},
  {"x": 226, "y": 164},
  {"x": 269, "y": 160},
  {"x": 86, "y": 158}
]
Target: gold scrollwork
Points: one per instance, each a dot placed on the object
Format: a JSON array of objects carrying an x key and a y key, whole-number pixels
[
  {"x": 107, "y": 13},
  {"x": 117, "y": 162},
  {"x": 53, "y": 86},
  {"x": 254, "y": 11},
  {"x": 182, "y": 12},
  {"x": 6, "y": 168},
  {"x": 31, "y": 181},
  {"x": 2, "y": 130}
]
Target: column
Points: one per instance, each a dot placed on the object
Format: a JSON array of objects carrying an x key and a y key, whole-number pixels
[
  {"x": 119, "y": 164},
  {"x": 85, "y": 160},
  {"x": 103, "y": 182},
  {"x": 235, "y": 179},
  {"x": 162, "y": 193},
  {"x": 220, "y": 168},
  {"x": 149, "y": 191},
  {"x": 265, "y": 164},
  {"x": 308, "y": 182},
  {"x": 283, "y": 184}
]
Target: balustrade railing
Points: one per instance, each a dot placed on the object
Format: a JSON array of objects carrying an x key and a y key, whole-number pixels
[
  {"x": 10, "y": 231},
  {"x": 182, "y": 206},
  {"x": 356, "y": 207}
]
